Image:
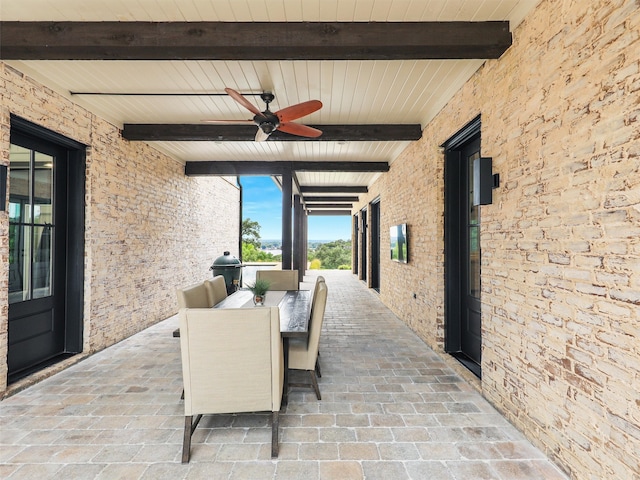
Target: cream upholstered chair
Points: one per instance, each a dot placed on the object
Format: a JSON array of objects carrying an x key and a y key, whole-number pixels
[
  {"x": 199, "y": 295},
  {"x": 216, "y": 289},
  {"x": 319, "y": 279},
  {"x": 194, "y": 296},
  {"x": 280, "y": 279},
  {"x": 232, "y": 362},
  {"x": 303, "y": 355}
]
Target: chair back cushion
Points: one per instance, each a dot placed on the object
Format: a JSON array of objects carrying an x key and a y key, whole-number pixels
[
  {"x": 319, "y": 279},
  {"x": 193, "y": 296},
  {"x": 280, "y": 279},
  {"x": 303, "y": 356},
  {"x": 232, "y": 360},
  {"x": 216, "y": 289}
]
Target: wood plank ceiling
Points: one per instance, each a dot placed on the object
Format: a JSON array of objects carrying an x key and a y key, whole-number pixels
[{"x": 159, "y": 81}]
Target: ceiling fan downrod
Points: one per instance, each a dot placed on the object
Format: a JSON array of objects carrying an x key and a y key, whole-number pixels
[{"x": 267, "y": 120}]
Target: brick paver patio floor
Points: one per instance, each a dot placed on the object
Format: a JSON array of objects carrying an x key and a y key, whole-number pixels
[{"x": 390, "y": 409}]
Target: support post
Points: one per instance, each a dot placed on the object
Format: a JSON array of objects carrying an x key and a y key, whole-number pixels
[
  {"x": 286, "y": 221},
  {"x": 305, "y": 242},
  {"x": 297, "y": 235}
]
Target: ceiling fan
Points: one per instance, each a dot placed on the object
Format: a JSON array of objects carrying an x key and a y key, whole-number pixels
[{"x": 268, "y": 121}]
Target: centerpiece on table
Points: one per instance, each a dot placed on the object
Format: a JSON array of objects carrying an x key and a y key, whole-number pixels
[{"x": 259, "y": 290}]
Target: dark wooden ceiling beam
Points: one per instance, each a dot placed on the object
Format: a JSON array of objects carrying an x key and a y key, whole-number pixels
[
  {"x": 337, "y": 189},
  {"x": 337, "y": 166},
  {"x": 330, "y": 199},
  {"x": 253, "y": 40},
  {"x": 314, "y": 206},
  {"x": 224, "y": 168},
  {"x": 184, "y": 132},
  {"x": 332, "y": 213}
]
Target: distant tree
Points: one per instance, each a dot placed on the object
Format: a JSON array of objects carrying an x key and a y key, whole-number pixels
[
  {"x": 251, "y": 254},
  {"x": 332, "y": 255},
  {"x": 251, "y": 233}
]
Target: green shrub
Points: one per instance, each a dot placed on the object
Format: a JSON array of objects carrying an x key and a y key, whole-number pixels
[
  {"x": 251, "y": 254},
  {"x": 332, "y": 254},
  {"x": 315, "y": 264}
]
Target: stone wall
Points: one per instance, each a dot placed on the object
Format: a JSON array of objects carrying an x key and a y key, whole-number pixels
[
  {"x": 149, "y": 228},
  {"x": 561, "y": 242}
]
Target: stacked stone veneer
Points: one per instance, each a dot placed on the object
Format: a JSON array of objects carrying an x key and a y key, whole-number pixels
[
  {"x": 149, "y": 228},
  {"x": 560, "y": 244}
]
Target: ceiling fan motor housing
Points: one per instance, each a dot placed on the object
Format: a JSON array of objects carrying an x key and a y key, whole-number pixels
[{"x": 267, "y": 121}]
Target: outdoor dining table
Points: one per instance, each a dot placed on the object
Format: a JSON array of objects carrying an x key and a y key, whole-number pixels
[{"x": 294, "y": 306}]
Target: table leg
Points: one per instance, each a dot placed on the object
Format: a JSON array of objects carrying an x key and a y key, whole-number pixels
[{"x": 285, "y": 389}]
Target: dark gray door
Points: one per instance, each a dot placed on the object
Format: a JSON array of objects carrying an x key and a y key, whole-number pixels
[
  {"x": 470, "y": 269},
  {"x": 356, "y": 252},
  {"x": 36, "y": 253},
  {"x": 363, "y": 244},
  {"x": 375, "y": 245}
]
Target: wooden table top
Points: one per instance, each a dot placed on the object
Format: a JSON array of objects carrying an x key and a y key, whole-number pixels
[{"x": 294, "y": 305}]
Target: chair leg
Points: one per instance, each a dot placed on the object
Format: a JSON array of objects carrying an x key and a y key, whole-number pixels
[
  {"x": 189, "y": 427},
  {"x": 314, "y": 382},
  {"x": 274, "y": 434},
  {"x": 318, "y": 372},
  {"x": 186, "y": 442}
]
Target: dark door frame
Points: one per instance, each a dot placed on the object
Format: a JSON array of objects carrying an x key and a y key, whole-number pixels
[
  {"x": 356, "y": 250},
  {"x": 453, "y": 237},
  {"x": 74, "y": 197},
  {"x": 363, "y": 244},
  {"x": 374, "y": 233}
]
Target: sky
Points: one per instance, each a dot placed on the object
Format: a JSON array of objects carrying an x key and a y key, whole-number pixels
[{"x": 262, "y": 203}]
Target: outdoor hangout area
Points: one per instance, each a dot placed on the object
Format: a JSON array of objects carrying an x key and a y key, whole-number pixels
[
  {"x": 390, "y": 408},
  {"x": 463, "y": 174}
]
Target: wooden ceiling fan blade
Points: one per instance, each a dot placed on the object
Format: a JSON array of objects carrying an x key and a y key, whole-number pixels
[
  {"x": 237, "y": 96},
  {"x": 298, "y": 110},
  {"x": 300, "y": 130}
]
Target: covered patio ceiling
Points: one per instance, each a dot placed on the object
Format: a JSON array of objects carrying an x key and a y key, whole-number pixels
[{"x": 158, "y": 68}]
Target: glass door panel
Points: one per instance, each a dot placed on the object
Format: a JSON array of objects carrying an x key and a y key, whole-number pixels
[
  {"x": 31, "y": 228},
  {"x": 473, "y": 234}
]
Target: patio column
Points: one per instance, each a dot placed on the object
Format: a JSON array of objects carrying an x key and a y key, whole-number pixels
[
  {"x": 298, "y": 236},
  {"x": 305, "y": 240},
  {"x": 286, "y": 220}
]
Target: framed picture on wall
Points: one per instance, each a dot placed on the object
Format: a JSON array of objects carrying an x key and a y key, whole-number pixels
[{"x": 399, "y": 236}]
